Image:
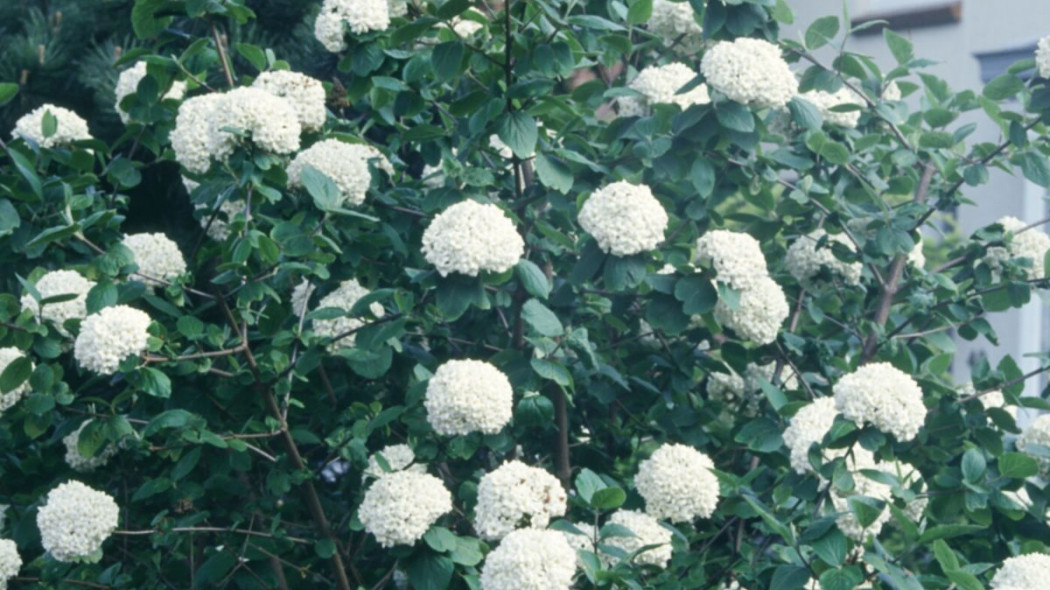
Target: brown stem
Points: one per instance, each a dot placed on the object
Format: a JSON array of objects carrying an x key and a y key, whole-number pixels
[
  {"x": 221, "y": 48},
  {"x": 561, "y": 418}
]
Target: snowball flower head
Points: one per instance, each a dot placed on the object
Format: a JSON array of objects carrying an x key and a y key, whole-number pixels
[
  {"x": 470, "y": 237},
  {"x": 157, "y": 257},
  {"x": 676, "y": 22},
  {"x": 736, "y": 257},
  {"x": 344, "y": 298},
  {"x": 107, "y": 337},
  {"x": 361, "y": 16},
  {"x": 81, "y": 463},
  {"x": 1024, "y": 572},
  {"x": 190, "y": 140},
  {"x": 624, "y": 218},
  {"x": 647, "y": 531},
  {"x": 1028, "y": 243},
  {"x": 75, "y": 521},
  {"x": 400, "y": 507},
  {"x": 661, "y": 85},
  {"x": 761, "y": 311},
  {"x": 808, "y": 427},
  {"x": 128, "y": 83},
  {"x": 826, "y": 101},
  {"x": 53, "y": 284},
  {"x": 10, "y": 561},
  {"x": 805, "y": 260},
  {"x": 750, "y": 72},
  {"x": 530, "y": 560},
  {"x": 514, "y": 495},
  {"x": 677, "y": 484},
  {"x": 347, "y": 164},
  {"x": 467, "y": 396},
  {"x": 883, "y": 396},
  {"x": 305, "y": 94},
  {"x": 397, "y": 457},
  {"x": 8, "y": 355},
  {"x": 70, "y": 127},
  {"x": 1037, "y": 433},
  {"x": 1042, "y": 57},
  {"x": 271, "y": 121}
]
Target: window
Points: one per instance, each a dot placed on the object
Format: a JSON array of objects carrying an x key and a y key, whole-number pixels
[{"x": 906, "y": 14}]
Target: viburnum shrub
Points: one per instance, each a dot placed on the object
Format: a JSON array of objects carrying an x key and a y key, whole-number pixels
[{"x": 520, "y": 295}]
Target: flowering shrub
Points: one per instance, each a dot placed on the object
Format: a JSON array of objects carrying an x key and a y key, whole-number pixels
[{"x": 517, "y": 296}]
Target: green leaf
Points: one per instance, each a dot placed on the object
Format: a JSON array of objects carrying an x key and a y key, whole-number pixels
[
  {"x": 8, "y": 91},
  {"x": 15, "y": 374},
  {"x": 901, "y": 48},
  {"x": 215, "y": 568},
  {"x": 554, "y": 173},
  {"x": 639, "y": 12},
  {"x": 1017, "y": 466},
  {"x": 789, "y": 577},
  {"x": 805, "y": 114},
  {"x": 974, "y": 466},
  {"x": 552, "y": 371},
  {"x": 846, "y": 578},
  {"x": 587, "y": 483},
  {"x": 697, "y": 294},
  {"x": 541, "y": 318},
  {"x": 1003, "y": 86},
  {"x": 831, "y": 548},
  {"x": 429, "y": 571},
  {"x": 945, "y": 556},
  {"x": 455, "y": 295},
  {"x": 965, "y": 580},
  {"x": 447, "y": 59},
  {"x": 440, "y": 539},
  {"x": 144, "y": 18},
  {"x": 608, "y": 498},
  {"x": 821, "y": 32},
  {"x": 948, "y": 531},
  {"x": 48, "y": 123},
  {"x": 702, "y": 173},
  {"x": 153, "y": 381},
  {"x": 322, "y": 189},
  {"x": 867, "y": 510},
  {"x": 518, "y": 130},
  {"x": 735, "y": 116},
  {"x": 1036, "y": 168},
  {"x": 254, "y": 55},
  {"x": 533, "y": 279},
  {"x": 151, "y": 488}
]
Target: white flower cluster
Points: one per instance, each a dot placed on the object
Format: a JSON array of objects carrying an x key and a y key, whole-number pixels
[
  {"x": 345, "y": 163},
  {"x": 8, "y": 355},
  {"x": 660, "y": 85},
  {"x": 270, "y": 120},
  {"x": 677, "y": 484},
  {"x": 825, "y": 101},
  {"x": 70, "y": 127},
  {"x": 530, "y": 560},
  {"x": 1023, "y": 572},
  {"x": 1031, "y": 243},
  {"x": 624, "y": 218},
  {"x": 847, "y": 522},
  {"x": 190, "y": 137},
  {"x": 107, "y": 337},
  {"x": 736, "y": 257},
  {"x": 81, "y": 463},
  {"x": 513, "y": 495},
  {"x": 53, "y": 284},
  {"x": 400, "y": 507},
  {"x": 128, "y": 83},
  {"x": 891, "y": 92},
  {"x": 465, "y": 396},
  {"x": 218, "y": 228},
  {"x": 1036, "y": 433},
  {"x": 916, "y": 257},
  {"x": 398, "y": 458},
  {"x": 301, "y": 297},
  {"x": 805, "y": 261},
  {"x": 745, "y": 393},
  {"x": 10, "y": 562},
  {"x": 305, "y": 94},
  {"x": 157, "y": 257},
  {"x": 344, "y": 297},
  {"x": 75, "y": 521},
  {"x": 991, "y": 399},
  {"x": 397, "y": 8},
  {"x": 808, "y": 427},
  {"x": 470, "y": 237},
  {"x": 361, "y": 16},
  {"x": 750, "y": 72},
  {"x": 647, "y": 531},
  {"x": 761, "y": 311},
  {"x": 1042, "y": 57},
  {"x": 584, "y": 540},
  {"x": 883, "y": 396},
  {"x": 676, "y": 22}
]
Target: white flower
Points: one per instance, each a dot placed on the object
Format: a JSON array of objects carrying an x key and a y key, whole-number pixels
[
  {"x": 397, "y": 457},
  {"x": 345, "y": 163},
  {"x": 1026, "y": 243},
  {"x": 128, "y": 83},
  {"x": 676, "y": 22},
  {"x": 808, "y": 427},
  {"x": 750, "y": 72},
  {"x": 53, "y": 284},
  {"x": 75, "y": 521},
  {"x": 825, "y": 101},
  {"x": 660, "y": 85},
  {"x": 470, "y": 237},
  {"x": 861, "y": 459},
  {"x": 744, "y": 394},
  {"x": 916, "y": 257},
  {"x": 344, "y": 298},
  {"x": 81, "y": 463},
  {"x": 271, "y": 121},
  {"x": 361, "y": 16},
  {"x": 467, "y": 396},
  {"x": 677, "y": 484},
  {"x": 10, "y": 562},
  {"x": 891, "y": 91},
  {"x": 736, "y": 257},
  {"x": 217, "y": 224},
  {"x": 516, "y": 495},
  {"x": 881, "y": 395},
  {"x": 584, "y": 540},
  {"x": 301, "y": 297},
  {"x": 70, "y": 127},
  {"x": 1036, "y": 433},
  {"x": 911, "y": 478},
  {"x": 624, "y": 218},
  {"x": 647, "y": 531},
  {"x": 991, "y": 399},
  {"x": 760, "y": 312},
  {"x": 8, "y": 355},
  {"x": 530, "y": 560},
  {"x": 1023, "y": 572},
  {"x": 400, "y": 507},
  {"x": 1042, "y": 57},
  {"x": 397, "y": 8},
  {"x": 1019, "y": 497},
  {"x": 805, "y": 260},
  {"x": 190, "y": 138},
  {"x": 305, "y": 94},
  {"x": 462, "y": 27},
  {"x": 107, "y": 337},
  {"x": 157, "y": 257}
]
